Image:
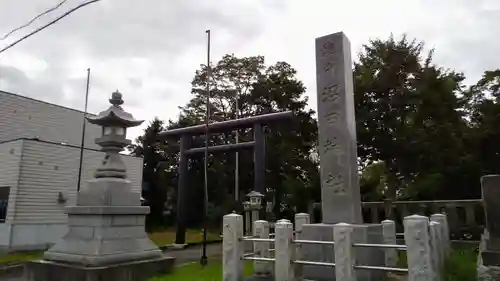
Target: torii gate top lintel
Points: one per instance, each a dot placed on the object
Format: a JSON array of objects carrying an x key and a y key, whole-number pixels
[{"x": 225, "y": 126}]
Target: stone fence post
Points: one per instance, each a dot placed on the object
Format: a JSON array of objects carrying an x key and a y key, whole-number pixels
[
  {"x": 284, "y": 251},
  {"x": 261, "y": 230},
  {"x": 389, "y": 235},
  {"x": 436, "y": 244},
  {"x": 232, "y": 248},
  {"x": 442, "y": 219},
  {"x": 344, "y": 252},
  {"x": 416, "y": 231},
  {"x": 300, "y": 220}
]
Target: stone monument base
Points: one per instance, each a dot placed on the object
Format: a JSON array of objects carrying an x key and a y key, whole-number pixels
[
  {"x": 43, "y": 270},
  {"x": 102, "y": 235},
  {"x": 365, "y": 233}
]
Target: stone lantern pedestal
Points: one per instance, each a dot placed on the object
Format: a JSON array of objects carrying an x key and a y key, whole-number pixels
[{"x": 106, "y": 238}]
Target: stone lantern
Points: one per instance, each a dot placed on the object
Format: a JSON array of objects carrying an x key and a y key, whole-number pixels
[
  {"x": 251, "y": 209},
  {"x": 255, "y": 200},
  {"x": 106, "y": 238}
]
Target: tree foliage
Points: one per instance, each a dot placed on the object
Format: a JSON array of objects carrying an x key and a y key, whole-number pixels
[
  {"x": 422, "y": 134},
  {"x": 483, "y": 106},
  {"x": 408, "y": 116}
]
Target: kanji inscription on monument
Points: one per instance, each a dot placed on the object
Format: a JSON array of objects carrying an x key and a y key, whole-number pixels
[{"x": 340, "y": 195}]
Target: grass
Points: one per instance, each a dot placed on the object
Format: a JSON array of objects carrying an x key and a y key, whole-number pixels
[
  {"x": 19, "y": 257},
  {"x": 195, "y": 272},
  {"x": 161, "y": 238},
  {"x": 167, "y": 237},
  {"x": 459, "y": 266}
]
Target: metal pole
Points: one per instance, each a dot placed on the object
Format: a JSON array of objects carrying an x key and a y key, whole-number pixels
[
  {"x": 83, "y": 132},
  {"x": 203, "y": 260},
  {"x": 237, "y": 157}
]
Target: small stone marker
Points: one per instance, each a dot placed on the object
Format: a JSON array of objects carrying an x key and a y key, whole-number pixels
[{"x": 340, "y": 195}]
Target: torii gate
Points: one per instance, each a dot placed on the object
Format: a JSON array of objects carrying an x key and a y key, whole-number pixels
[{"x": 258, "y": 144}]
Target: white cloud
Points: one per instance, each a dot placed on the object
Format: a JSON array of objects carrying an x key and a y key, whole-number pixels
[{"x": 149, "y": 49}]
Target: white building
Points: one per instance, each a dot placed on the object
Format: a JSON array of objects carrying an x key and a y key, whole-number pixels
[{"x": 39, "y": 167}]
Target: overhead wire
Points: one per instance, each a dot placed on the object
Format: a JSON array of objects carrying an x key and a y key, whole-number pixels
[
  {"x": 47, "y": 25},
  {"x": 34, "y": 19}
]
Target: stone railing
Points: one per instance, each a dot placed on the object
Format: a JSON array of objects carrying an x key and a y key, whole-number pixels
[
  {"x": 466, "y": 217},
  {"x": 427, "y": 244}
]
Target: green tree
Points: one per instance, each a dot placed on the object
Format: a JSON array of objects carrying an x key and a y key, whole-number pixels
[
  {"x": 373, "y": 182},
  {"x": 159, "y": 169},
  {"x": 482, "y": 104},
  {"x": 408, "y": 116}
]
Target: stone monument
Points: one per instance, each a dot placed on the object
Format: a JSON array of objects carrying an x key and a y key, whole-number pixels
[
  {"x": 106, "y": 238},
  {"x": 340, "y": 194},
  {"x": 489, "y": 249}
]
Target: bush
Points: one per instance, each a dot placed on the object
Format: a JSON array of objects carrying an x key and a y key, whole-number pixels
[{"x": 461, "y": 265}]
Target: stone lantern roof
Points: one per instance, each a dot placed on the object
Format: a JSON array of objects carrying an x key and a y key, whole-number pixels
[
  {"x": 254, "y": 193},
  {"x": 115, "y": 115}
]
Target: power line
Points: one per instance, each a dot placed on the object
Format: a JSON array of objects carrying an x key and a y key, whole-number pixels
[
  {"x": 35, "y": 18},
  {"x": 47, "y": 25}
]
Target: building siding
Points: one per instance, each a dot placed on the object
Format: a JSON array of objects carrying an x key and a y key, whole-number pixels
[
  {"x": 10, "y": 158},
  {"x": 22, "y": 117},
  {"x": 47, "y": 169}
]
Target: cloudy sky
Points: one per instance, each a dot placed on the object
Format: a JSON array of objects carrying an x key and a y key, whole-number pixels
[{"x": 149, "y": 49}]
